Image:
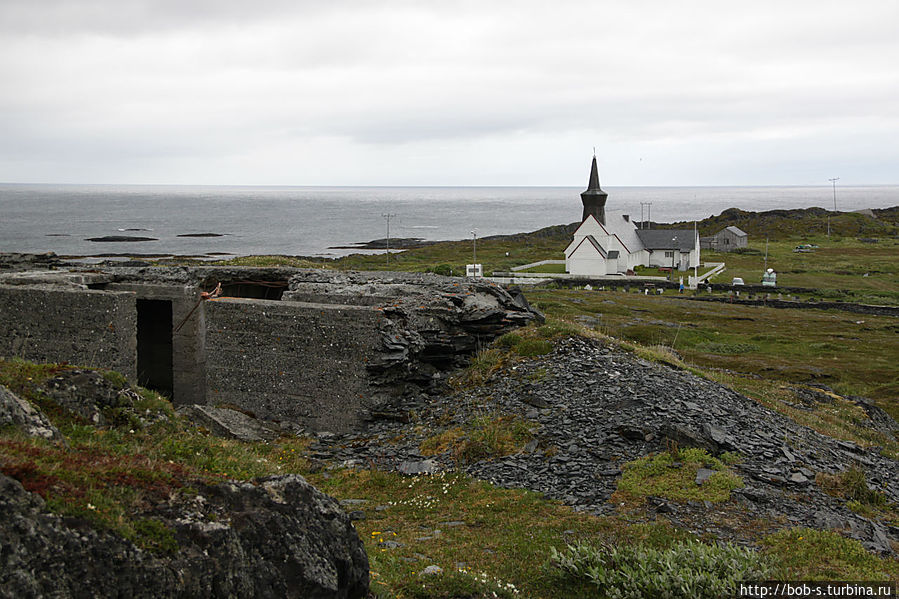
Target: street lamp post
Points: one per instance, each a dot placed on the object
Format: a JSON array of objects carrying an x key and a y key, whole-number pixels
[{"x": 474, "y": 246}]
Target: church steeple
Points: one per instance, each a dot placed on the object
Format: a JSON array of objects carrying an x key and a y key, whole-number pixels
[{"x": 594, "y": 198}]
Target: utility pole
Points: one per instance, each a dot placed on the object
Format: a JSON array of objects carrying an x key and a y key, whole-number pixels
[
  {"x": 648, "y": 213},
  {"x": 388, "y": 217},
  {"x": 696, "y": 260},
  {"x": 474, "y": 246},
  {"x": 834, "y": 181},
  {"x": 673, "y": 250},
  {"x": 766, "y": 254}
]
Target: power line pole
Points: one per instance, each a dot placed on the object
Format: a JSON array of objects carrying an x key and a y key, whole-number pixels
[
  {"x": 648, "y": 213},
  {"x": 388, "y": 217},
  {"x": 834, "y": 181}
]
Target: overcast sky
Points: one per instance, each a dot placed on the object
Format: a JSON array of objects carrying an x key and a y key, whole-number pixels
[{"x": 294, "y": 92}]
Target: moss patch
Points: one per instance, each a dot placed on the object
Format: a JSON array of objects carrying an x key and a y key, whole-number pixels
[{"x": 672, "y": 475}]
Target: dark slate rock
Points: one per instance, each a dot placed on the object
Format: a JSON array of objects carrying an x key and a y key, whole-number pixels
[
  {"x": 703, "y": 474},
  {"x": 315, "y": 552}
]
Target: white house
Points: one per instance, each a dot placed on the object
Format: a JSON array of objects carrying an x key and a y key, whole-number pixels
[{"x": 614, "y": 245}]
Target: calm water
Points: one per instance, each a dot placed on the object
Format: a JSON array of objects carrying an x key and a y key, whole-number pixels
[{"x": 308, "y": 220}]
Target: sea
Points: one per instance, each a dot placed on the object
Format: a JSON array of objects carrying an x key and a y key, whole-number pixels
[{"x": 316, "y": 221}]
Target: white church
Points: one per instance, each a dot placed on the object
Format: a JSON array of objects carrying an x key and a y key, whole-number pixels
[{"x": 614, "y": 246}]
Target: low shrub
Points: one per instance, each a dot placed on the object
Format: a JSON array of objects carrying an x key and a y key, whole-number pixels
[
  {"x": 529, "y": 348},
  {"x": 442, "y": 269},
  {"x": 727, "y": 349},
  {"x": 689, "y": 569},
  {"x": 851, "y": 485}
]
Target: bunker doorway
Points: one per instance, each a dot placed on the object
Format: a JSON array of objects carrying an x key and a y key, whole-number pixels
[{"x": 154, "y": 345}]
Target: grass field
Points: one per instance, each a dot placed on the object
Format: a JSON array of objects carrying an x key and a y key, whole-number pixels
[
  {"x": 841, "y": 268},
  {"x": 773, "y": 355},
  {"x": 489, "y": 542}
]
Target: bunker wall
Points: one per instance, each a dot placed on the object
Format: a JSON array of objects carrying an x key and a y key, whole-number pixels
[
  {"x": 291, "y": 360},
  {"x": 85, "y": 327},
  {"x": 187, "y": 337}
]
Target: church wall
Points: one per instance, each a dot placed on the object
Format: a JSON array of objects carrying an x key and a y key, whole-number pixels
[{"x": 582, "y": 263}]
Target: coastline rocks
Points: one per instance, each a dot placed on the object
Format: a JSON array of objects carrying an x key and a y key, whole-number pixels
[
  {"x": 120, "y": 239},
  {"x": 279, "y": 537},
  {"x": 18, "y": 262},
  {"x": 15, "y": 411}
]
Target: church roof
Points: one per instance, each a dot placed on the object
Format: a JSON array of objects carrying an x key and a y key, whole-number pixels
[
  {"x": 593, "y": 187},
  {"x": 664, "y": 239},
  {"x": 592, "y": 241}
]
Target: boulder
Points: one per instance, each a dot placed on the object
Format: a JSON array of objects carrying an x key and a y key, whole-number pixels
[
  {"x": 228, "y": 423},
  {"x": 15, "y": 411},
  {"x": 273, "y": 537}
]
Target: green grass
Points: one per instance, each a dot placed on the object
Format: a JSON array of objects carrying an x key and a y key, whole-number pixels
[
  {"x": 490, "y": 540},
  {"x": 672, "y": 475},
  {"x": 852, "y": 486},
  {"x": 271, "y": 261},
  {"x": 841, "y": 349},
  {"x": 809, "y": 554},
  {"x": 547, "y": 268},
  {"x": 107, "y": 475},
  {"x": 493, "y": 254},
  {"x": 837, "y": 268},
  {"x": 505, "y": 539},
  {"x": 484, "y": 437}
]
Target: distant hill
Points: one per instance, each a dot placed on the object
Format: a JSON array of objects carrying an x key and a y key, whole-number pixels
[{"x": 800, "y": 222}]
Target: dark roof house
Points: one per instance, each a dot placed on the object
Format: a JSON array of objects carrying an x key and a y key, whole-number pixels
[{"x": 682, "y": 240}]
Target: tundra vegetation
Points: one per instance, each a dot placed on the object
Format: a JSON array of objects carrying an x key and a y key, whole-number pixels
[{"x": 514, "y": 542}]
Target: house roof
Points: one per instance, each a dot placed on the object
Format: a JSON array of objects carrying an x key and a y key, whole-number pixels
[
  {"x": 736, "y": 231},
  {"x": 683, "y": 240}
]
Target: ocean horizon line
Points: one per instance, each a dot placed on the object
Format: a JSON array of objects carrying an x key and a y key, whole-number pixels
[{"x": 275, "y": 186}]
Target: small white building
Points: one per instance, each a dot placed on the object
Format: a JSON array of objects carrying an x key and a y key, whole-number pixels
[{"x": 614, "y": 245}]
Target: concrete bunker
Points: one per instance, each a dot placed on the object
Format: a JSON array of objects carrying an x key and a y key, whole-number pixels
[
  {"x": 322, "y": 349},
  {"x": 154, "y": 345},
  {"x": 257, "y": 288}
]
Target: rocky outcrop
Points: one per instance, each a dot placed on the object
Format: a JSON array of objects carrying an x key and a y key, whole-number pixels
[
  {"x": 595, "y": 408},
  {"x": 18, "y": 262},
  {"x": 432, "y": 324},
  {"x": 97, "y": 399},
  {"x": 275, "y": 537},
  {"x": 15, "y": 411}
]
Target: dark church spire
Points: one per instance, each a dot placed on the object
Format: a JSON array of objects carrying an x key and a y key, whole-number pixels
[{"x": 594, "y": 198}]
